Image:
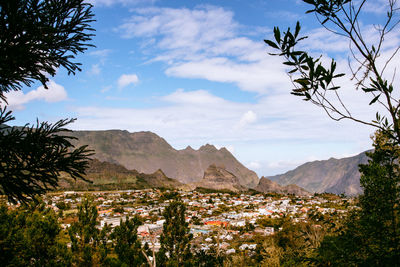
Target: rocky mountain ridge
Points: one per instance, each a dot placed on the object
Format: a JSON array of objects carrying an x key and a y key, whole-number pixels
[
  {"x": 110, "y": 176},
  {"x": 218, "y": 178},
  {"x": 333, "y": 175},
  {"x": 267, "y": 186},
  {"x": 146, "y": 152}
]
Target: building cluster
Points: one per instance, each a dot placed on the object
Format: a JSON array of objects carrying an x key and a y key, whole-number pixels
[{"x": 228, "y": 222}]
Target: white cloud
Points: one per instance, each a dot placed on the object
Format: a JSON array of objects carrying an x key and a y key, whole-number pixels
[
  {"x": 205, "y": 42},
  {"x": 127, "y": 79},
  {"x": 100, "y": 53},
  {"x": 379, "y": 6},
  {"x": 230, "y": 148},
  {"x": 254, "y": 165},
  {"x": 260, "y": 77},
  {"x": 199, "y": 97},
  {"x": 204, "y": 117},
  {"x": 248, "y": 118},
  {"x": 95, "y": 69},
  {"x": 109, "y": 3},
  {"x": 54, "y": 93}
]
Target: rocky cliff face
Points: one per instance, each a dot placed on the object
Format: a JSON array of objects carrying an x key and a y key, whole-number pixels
[
  {"x": 109, "y": 176},
  {"x": 218, "y": 178},
  {"x": 332, "y": 176},
  {"x": 267, "y": 186},
  {"x": 146, "y": 152}
]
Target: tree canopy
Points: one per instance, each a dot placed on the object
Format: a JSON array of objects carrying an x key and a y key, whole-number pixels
[
  {"x": 37, "y": 37},
  {"x": 370, "y": 236}
]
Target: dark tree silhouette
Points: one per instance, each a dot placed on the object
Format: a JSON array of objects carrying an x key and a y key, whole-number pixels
[
  {"x": 371, "y": 235},
  {"x": 175, "y": 240},
  {"x": 36, "y": 38}
]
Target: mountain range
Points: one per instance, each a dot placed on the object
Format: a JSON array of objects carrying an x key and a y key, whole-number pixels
[
  {"x": 333, "y": 175},
  {"x": 267, "y": 186},
  {"x": 110, "y": 176},
  {"x": 145, "y": 153}
]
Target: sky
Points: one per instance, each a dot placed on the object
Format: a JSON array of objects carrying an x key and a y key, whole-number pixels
[{"x": 197, "y": 72}]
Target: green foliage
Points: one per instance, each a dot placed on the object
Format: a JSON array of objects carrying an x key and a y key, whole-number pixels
[
  {"x": 170, "y": 195},
  {"x": 196, "y": 220},
  {"x": 38, "y": 37},
  {"x": 317, "y": 82},
  {"x": 29, "y": 236},
  {"x": 371, "y": 235},
  {"x": 32, "y": 158},
  {"x": 127, "y": 246},
  {"x": 175, "y": 240},
  {"x": 84, "y": 234},
  {"x": 208, "y": 259},
  {"x": 270, "y": 222}
]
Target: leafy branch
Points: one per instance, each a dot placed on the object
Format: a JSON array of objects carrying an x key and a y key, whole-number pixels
[{"x": 316, "y": 82}]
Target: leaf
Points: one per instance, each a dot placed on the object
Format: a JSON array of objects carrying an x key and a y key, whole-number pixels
[
  {"x": 302, "y": 81},
  {"x": 277, "y": 35},
  {"x": 339, "y": 75},
  {"x": 297, "y": 30},
  {"x": 305, "y": 67},
  {"x": 367, "y": 90},
  {"x": 297, "y": 94},
  {"x": 334, "y": 88},
  {"x": 289, "y": 63},
  {"x": 272, "y": 44},
  {"x": 390, "y": 88},
  {"x": 375, "y": 99}
]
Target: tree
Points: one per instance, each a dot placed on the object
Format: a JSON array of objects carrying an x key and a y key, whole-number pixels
[
  {"x": 30, "y": 236},
  {"x": 127, "y": 245},
  {"x": 32, "y": 158},
  {"x": 175, "y": 239},
  {"x": 84, "y": 234},
  {"x": 36, "y": 38},
  {"x": 370, "y": 236}
]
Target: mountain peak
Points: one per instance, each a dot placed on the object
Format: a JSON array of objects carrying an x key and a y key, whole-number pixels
[
  {"x": 333, "y": 175},
  {"x": 267, "y": 186},
  {"x": 218, "y": 178},
  {"x": 208, "y": 147},
  {"x": 147, "y": 152},
  {"x": 224, "y": 150},
  {"x": 189, "y": 148}
]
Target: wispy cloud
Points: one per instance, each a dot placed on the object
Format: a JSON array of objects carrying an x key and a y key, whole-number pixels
[
  {"x": 204, "y": 42},
  {"x": 108, "y": 3},
  {"x": 54, "y": 93},
  {"x": 127, "y": 79}
]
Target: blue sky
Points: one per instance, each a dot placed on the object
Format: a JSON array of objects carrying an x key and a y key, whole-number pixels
[{"x": 198, "y": 72}]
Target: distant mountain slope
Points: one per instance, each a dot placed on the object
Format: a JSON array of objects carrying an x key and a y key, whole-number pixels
[
  {"x": 109, "y": 176},
  {"x": 332, "y": 175},
  {"x": 147, "y": 152},
  {"x": 218, "y": 178},
  {"x": 267, "y": 186}
]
